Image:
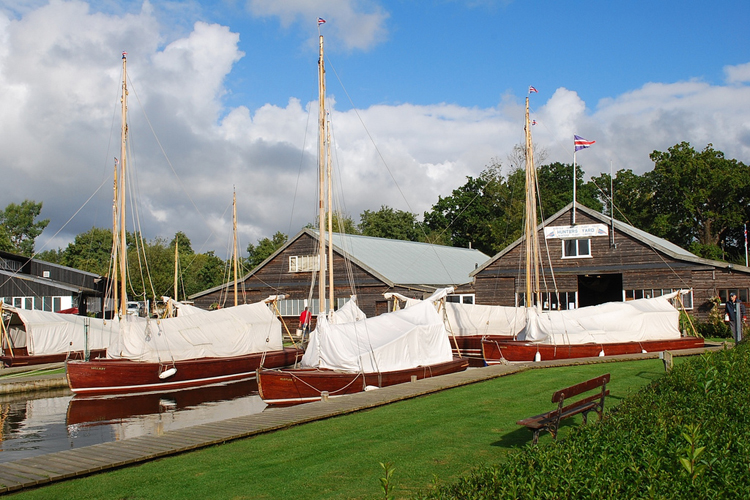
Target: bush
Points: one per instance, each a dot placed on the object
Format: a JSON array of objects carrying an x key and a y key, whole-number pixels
[{"x": 686, "y": 435}]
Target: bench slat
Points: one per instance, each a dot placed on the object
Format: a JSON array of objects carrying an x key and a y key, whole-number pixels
[{"x": 575, "y": 390}]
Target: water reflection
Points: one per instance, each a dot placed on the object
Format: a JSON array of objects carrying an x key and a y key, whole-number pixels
[{"x": 56, "y": 421}]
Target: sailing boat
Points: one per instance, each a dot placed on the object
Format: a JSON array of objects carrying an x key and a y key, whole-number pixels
[
  {"x": 345, "y": 356},
  {"x": 643, "y": 325},
  {"x": 183, "y": 351}
]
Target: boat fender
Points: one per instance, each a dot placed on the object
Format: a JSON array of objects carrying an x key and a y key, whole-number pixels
[
  {"x": 601, "y": 353},
  {"x": 371, "y": 387},
  {"x": 643, "y": 351},
  {"x": 168, "y": 373},
  {"x": 537, "y": 357}
]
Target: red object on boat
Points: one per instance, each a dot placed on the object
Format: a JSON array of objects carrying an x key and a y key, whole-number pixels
[
  {"x": 290, "y": 387},
  {"x": 497, "y": 351},
  {"x": 72, "y": 310},
  {"x": 118, "y": 376}
]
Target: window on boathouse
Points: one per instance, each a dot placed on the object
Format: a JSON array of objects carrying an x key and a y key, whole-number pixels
[{"x": 576, "y": 248}]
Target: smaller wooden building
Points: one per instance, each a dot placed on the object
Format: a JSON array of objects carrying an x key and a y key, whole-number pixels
[
  {"x": 363, "y": 266},
  {"x": 34, "y": 284},
  {"x": 598, "y": 260}
]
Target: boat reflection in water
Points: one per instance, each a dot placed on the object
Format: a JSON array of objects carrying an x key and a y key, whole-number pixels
[{"x": 58, "y": 421}]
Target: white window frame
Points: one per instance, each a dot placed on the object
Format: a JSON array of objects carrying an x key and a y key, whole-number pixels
[
  {"x": 304, "y": 263},
  {"x": 463, "y": 298},
  {"x": 578, "y": 255}
]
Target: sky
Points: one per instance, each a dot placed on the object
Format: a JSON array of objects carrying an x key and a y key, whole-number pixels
[{"x": 421, "y": 94}]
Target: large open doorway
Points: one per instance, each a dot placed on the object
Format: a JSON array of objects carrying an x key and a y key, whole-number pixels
[{"x": 596, "y": 289}]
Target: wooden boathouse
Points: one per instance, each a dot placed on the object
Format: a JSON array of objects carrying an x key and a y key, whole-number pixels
[
  {"x": 363, "y": 266},
  {"x": 597, "y": 260}
]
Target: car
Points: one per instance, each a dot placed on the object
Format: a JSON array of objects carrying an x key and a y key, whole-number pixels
[{"x": 134, "y": 308}]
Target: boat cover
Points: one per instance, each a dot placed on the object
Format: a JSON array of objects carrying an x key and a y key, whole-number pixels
[
  {"x": 349, "y": 312},
  {"x": 232, "y": 331},
  {"x": 407, "y": 338},
  {"x": 632, "y": 321},
  {"x": 44, "y": 332},
  {"x": 474, "y": 319}
]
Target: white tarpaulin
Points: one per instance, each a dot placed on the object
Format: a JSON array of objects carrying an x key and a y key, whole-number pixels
[
  {"x": 43, "y": 332},
  {"x": 232, "y": 331},
  {"x": 473, "y": 319},
  {"x": 398, "y": 340},
  {"x": 349, "y": 312},
  {"x": 631, "y": 321}
]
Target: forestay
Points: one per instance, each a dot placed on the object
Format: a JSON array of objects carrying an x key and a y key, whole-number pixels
[
  {"x": 398, "y": 340},
  {"x": 234, "y": 331},
  {"x": 44, "y": 332},
  {"x": 631, "y": 321}
]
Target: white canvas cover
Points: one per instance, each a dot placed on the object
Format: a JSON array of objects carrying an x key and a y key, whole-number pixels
[
  {"x": 349, "y": 312},
  {"x": 398, "y": 340},
  {"x": 182, "y": 308},
  {"x": 474, "y": 319},
  {"x": 631, "y": 321},
  {"x": 44, "y": 332},
  {"x": 232, "y": 331}
]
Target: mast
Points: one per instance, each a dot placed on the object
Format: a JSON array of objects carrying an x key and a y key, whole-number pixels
[
  {"x": 321, "y": 178},
  {"x": 115, "y": 237},
  {"x": 234, "y": 248},
  {"x": 176, "y": 263},
  {"x": 330, "y": 228},
  {"x": 532, "y": 238},
  {"x": 123, "y": 162}
]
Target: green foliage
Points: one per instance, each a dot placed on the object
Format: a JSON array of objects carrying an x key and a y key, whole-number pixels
[
  {"x": 18, "y": 229},
  {"x": 264, "y": 249},
  {"x": 556, "y": 188},
  {"x": 90, "y": 251},
  {"x": 687, "y": 435},
  {"x": 183, "y": 244},
  {"x": 699, "y": 196},
  {"x": 386, "y": 481},
  {"x": 390, "y": 223}
]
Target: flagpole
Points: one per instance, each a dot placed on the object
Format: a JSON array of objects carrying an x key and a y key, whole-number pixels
[
  {"x": 574, "y": 185},
  {"x": 746, "y": 263}
]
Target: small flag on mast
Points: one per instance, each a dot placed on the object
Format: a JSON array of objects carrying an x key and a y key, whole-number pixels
[
  {"x": 581, "y": 143},
  {"x": 321, "y": 21},
  {"x": 533, "y": 122},
  {"x": 532, "y": 90}
]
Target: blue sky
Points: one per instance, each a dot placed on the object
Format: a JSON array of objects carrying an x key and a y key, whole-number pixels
[{"x": 439, "y": 85}]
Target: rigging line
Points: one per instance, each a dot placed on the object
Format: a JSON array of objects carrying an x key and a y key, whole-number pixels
[
  {"x": 58, "y": 231},
  {"x": 382, "y": 158},
  {"x": 169, "y": 162},
  {"x": 608, "y": 198}
]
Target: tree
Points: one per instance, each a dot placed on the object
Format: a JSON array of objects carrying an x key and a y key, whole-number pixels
[
  {"x": 183, "y": 247},
  {"x": 699, "y": 197},
  {"x": 556, "y": 188},
  {"x": 19, "y": 227},
  {"x": 633, "y": 197},
  {"x": 264, "y": 249},
  {"x": 390, "y": 223},
  {"x": 90, "y": 251}
]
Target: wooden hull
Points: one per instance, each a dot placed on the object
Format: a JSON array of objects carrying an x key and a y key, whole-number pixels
[
  {"x": 289, "y": 387},
  {"x": 470, "y": 347},
  {"x": 20, "y": 357},
  {"x": 517, "y": 350},
  {"x": 94, "y": 410},
  {"x": 114, "y": 376}
]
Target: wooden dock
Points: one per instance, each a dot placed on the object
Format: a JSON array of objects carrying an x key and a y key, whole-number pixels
[{"x": 44, "y": 469}]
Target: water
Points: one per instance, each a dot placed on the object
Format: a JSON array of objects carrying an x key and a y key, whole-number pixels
[{"x": 52, "y": 421}]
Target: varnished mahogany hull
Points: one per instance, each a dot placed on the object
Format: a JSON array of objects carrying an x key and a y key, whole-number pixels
[
  {"x": 94, "y": 410},
  {"x": 517, "y": 350},
  {"x": 470, "y": 347},
  {"x": 21, "y": 357},
  {"x": 289, "y": 387},
  {"x": 114, "y": 376}
]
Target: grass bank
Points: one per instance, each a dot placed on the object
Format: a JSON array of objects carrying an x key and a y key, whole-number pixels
[{"x": 430, "y": 440}]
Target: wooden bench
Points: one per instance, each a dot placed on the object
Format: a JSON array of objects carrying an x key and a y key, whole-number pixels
[{"x": 550, "y": 421}]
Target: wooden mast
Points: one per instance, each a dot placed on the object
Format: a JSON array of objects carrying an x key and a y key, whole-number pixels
[
  {"x": 532, "y": 238},
  {"x": 176, "y": 263},
  {"x": 321, "y": 178},
  {"x": 330, "y": 227},
  {"x": 123, "y": 162},
  {"x": 234, "y": 248},
  {"x": 115, "y": 238}
]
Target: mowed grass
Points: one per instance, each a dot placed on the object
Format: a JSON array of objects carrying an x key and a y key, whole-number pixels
[{"x": 431, "y": 439}]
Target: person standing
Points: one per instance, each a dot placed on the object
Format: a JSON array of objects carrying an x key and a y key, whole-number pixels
[
  {"x": 304, "y": 322},
  {"x": 735, "y": 310}
]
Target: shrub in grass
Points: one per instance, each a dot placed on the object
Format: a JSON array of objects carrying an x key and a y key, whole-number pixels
[{"x": 687, "y": 435}]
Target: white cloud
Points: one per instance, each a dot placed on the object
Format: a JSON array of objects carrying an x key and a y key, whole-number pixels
[
  {"x": 358, "y": 24},
  {"x": 738, "y": 74},
  {"x": 59, "y": 130}
]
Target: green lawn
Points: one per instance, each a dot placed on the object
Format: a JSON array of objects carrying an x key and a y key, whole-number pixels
[{"x": 432, "y": 438}]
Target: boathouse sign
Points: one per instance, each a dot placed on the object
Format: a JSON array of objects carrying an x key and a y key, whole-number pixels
[{"x": 574, "y": 232}]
